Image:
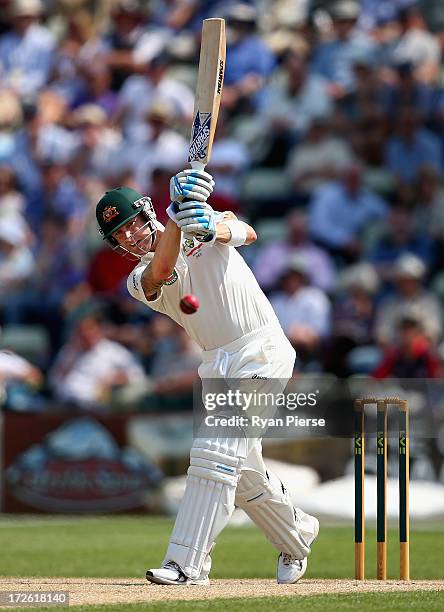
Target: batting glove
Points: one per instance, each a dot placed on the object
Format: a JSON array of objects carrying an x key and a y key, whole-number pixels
[
  {"x": 191, "y": 185},
  {"x": 197, "y": 219},
  {"x": 193, "y": 208}
]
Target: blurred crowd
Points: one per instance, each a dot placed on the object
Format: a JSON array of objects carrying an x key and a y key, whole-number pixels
[{"x": 330, "y": 141}]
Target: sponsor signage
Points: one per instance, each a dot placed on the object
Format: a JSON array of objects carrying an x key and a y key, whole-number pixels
[{"x": 55, "y": 463}]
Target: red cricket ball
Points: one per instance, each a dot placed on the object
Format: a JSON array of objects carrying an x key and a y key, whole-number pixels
[{"x": 189, "y": 304}]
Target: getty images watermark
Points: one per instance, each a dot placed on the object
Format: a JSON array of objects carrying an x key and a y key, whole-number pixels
[
  {"x": 261, "y": 409},
  {"x": 309, "y": 405}
]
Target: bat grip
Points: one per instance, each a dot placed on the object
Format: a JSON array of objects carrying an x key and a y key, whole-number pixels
[{"x": 197, "y": 165}]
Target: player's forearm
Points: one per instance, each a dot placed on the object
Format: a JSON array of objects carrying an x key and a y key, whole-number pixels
[
  {"x": 167, "y": 251},
  {"x": 223, "y": 233},
  {"x": 164, "y": 260}
]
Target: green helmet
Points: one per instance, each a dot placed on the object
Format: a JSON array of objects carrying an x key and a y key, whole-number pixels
[{"x": 119, "y": 206}]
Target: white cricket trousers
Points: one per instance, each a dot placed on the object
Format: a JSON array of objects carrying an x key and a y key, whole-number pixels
[{"x": 229, "y": 471}]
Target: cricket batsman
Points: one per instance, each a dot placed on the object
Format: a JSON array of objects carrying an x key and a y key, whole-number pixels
[{"x": 240, "y": 338}]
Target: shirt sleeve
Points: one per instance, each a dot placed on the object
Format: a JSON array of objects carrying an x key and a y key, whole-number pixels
[
  {"x": 135, "y": 289},
  {"x": 13, "y": 366}
]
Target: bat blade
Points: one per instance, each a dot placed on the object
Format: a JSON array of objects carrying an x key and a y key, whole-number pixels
[{"x": 208, "y": 91}]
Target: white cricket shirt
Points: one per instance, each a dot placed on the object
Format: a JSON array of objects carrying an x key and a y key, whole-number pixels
[{"x": 231, "y": 302}]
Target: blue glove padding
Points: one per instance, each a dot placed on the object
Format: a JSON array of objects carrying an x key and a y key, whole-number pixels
[
  {"x": 198, "y": 219},
  {"x": 185, "y": 209},
  {"x": 191, "y": 185}
]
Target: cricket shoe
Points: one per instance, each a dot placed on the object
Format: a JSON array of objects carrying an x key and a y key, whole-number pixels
[
  {"x": 290, "y": 569},
  {"x": 171, "y": 573}
]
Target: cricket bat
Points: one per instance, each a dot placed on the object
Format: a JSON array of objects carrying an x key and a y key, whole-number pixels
[
  {"x": 210, "y": 81},
  {"x": 208, "y": 92}
]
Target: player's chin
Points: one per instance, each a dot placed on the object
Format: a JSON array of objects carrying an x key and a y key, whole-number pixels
[{"x": 140, "y": 249}]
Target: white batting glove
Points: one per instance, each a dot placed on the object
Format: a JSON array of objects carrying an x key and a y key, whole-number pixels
[
  {"x": 198, "y": 220},
  {"x": 191, "y": 184},
  {"x": 189, "y": 209}
]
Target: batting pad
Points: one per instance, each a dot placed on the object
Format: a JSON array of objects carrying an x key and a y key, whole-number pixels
[
  {"x": 208, "y": 502},
  {"x": 266, "y": 501}
]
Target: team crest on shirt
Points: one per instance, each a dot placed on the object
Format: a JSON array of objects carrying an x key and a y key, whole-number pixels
[
  {"x": 191, "y": 249},
  {"x": 171, "y": 279},
  {"x": 196, "y": 251},
  {"x": 109, "y": 213}
]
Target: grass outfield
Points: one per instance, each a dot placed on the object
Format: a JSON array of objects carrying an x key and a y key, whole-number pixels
[{"x": 126, "y": 547}]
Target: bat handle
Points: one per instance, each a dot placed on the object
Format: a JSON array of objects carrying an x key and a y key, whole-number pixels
[{"x": 197, "y": 165}]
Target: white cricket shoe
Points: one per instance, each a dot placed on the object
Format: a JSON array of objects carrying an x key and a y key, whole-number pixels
[
  {"x": 290, "y": 569},
  {"x": 171, "y": 573}
]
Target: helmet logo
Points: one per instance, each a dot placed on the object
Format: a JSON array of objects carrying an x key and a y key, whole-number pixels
[{"x": 109, "y": 213}]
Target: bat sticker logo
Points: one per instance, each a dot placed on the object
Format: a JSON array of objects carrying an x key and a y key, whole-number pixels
[
  {"x": 200, "y": 137},
  {"x": 220, "y": 77}
]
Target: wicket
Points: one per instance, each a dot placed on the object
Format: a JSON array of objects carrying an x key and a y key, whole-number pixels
[{"x": 381, "y": 470}]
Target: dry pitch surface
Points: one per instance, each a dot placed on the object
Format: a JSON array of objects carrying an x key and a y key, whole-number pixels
[{"x": 114, "y": 590}]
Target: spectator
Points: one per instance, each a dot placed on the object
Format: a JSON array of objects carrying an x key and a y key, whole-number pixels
[
  {"x": 294, "y": 97},
  {"x": 79, "y": 48},
  {"x": 108, "y": 271},
  {"x": 12, "y": 201},
  {"x": 16, "y": 260},
  {"x": 302, "y": 310},
  {"x": 273, "y": 259},
  {"x": 154, "y": 40},
  {"x": 164, "y": 147},
  {"x": 186, "y": 15},
  {"x": 55, "y": 143},
  {"x": 18, "y": 376},
  {"x": 15, "y": 146},
  {"x": 408, "y": 92},
  {"x": 318, "y": 159},
  {"x": 57, "y": 266},
  {"x": 417, "y": 45},
  {"x": 411, "y": 147},
  {"x": 400, "y": 238},
  {"x": 98, "y": 88},
  {"x": 367, "y": 91},
  {"x": 230, "y": 159},
  {"x": 127, "y": 29},
  {"x": 368, "y": 140},
  {"x": 140, "y": 91},
  {"x": 99, "y": 154},
  {"x": 340, "y": 211},
  {"x": 64, "y": 197},
  {"x": 26, "y": 53},
  {"x": 379, "y": 12},
  {"x": 413, "y": 355},
  {"x": 249, "y": 61},
  {"x": 410, "y": 299},
  {"x": 175, "y": 372},
  {"x": 14, "y": 367},
  {"x": 89, "y": 366},
  {"x": 429, "y": 203},
  {"x": 334, "y": 59},
  {"x": 17, "y": 151},
  {"x": 353, "y": 317}
]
